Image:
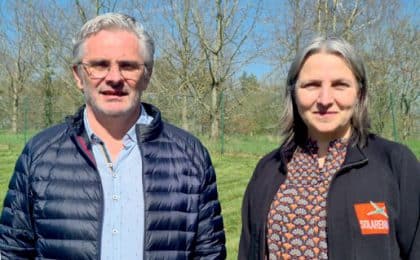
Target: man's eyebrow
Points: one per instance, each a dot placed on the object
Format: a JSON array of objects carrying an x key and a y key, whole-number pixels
[
  {"x": 96, "y": 61},
  {"x": 108, "y": 61},
  {"x": 128, "y": 62}
]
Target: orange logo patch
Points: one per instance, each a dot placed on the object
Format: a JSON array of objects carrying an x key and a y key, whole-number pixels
[{"x": 373, "y": 218}]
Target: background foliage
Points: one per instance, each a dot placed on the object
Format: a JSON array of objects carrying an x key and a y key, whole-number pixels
[{"x": 216, "y": 60}]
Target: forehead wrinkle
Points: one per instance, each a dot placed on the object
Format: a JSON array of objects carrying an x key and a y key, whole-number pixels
[{"x": 120, "y": 43}]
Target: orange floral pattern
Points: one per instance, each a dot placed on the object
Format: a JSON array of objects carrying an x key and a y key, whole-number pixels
[{"x": 296, "y": 224}]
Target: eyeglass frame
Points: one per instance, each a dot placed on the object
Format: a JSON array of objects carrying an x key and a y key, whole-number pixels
[{"x": 86, "y": 67}]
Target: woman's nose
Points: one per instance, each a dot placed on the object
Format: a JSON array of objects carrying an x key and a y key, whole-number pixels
[{"x": 325, "y": 96}]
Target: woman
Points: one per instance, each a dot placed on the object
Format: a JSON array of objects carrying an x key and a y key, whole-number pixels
[{"x": 332, "y": 190}]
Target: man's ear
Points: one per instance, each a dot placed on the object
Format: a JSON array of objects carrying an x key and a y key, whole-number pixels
[
  {"x": 77, "y": 77},
  {"x": 149, "y": 74},
  {"x": 146, "y": 77}
]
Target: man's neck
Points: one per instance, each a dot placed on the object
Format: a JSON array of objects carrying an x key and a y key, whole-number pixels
[{"x": 111, "y": 130}]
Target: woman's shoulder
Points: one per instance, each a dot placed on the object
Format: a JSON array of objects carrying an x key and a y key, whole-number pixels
[
  {"x": 270, "y": 163},
  {"x": 378, "y": 143},
  {"x": 381, "y": 149}
]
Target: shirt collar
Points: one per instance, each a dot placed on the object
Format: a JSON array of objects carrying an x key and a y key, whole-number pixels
[{"x": 144, "y": 119}]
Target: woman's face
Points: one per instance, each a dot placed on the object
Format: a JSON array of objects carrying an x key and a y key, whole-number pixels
[{"x": 326, "y": 94}]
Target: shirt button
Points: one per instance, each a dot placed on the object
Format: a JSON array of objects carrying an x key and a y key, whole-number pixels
[
  {"x": 114, "y": 231},
  {"x": 115, "y": 197},
  {"x": 114, "y": 175}
]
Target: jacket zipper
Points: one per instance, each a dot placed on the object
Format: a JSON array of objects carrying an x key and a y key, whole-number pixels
[
  {"x": 102, "y": 197},
  {"x": 110, "y": 166},
  {"x": 144, "y": 191},
  {"x": 282, "y": 168},
  {"x": 338, "y": 173}
]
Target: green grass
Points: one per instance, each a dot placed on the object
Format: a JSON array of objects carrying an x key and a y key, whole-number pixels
[
  {"x": 233, "y": 173},
  {"x": 242, "y": 145},
  {"x": 414, "y": 145},
  {"x": 233, "y": 170}
]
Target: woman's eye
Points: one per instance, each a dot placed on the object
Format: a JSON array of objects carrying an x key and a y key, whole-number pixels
[
  {"x": 310, "y": 85},
  {"x": 341, "y": 85}
]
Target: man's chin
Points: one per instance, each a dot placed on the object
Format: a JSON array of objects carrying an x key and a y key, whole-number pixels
[
  {"x": 120, "y": 112},
  {"x": 117, "y": 113}
]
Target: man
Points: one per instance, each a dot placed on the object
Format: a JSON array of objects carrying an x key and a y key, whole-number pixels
[{"x": 114, "y": 181}]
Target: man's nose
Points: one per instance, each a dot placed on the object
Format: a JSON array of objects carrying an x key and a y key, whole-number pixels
[{"x": 114, "y": 74}]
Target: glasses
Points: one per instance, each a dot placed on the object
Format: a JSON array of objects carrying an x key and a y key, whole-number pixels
[{"x": 99, "y": 70}]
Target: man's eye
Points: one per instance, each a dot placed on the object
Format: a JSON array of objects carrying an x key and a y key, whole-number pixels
[
  {"x": 99, "y": 66},
  {"x": 129, "y": 66}
]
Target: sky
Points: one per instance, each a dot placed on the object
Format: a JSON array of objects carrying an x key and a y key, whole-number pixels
[{"x": 261, "y": 67}]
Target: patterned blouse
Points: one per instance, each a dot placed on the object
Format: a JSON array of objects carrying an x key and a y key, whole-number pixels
[{"x": 296, "y": 224}]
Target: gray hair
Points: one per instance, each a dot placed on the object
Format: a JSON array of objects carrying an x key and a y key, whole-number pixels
[
  {"x": 293, "y": 128},
  {"x": 111, "y": 21}
]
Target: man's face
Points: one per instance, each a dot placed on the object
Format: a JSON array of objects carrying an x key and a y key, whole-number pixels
[{"x": 115, "y": 94}]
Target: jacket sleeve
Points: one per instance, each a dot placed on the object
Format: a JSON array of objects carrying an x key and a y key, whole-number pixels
[
  {"x": 245, "y": 239},
  {"x": 409, "y": 218},
  {"x": 210, "y": 242},
  {"x": 16, "y": 233}
]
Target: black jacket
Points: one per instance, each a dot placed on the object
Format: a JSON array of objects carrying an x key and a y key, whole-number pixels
[
  {"x": 382, "y": 171},
  {"x": 54, "y": 206}
]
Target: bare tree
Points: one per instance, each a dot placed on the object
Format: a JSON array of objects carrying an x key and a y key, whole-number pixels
[
  {"x": 405, "y": 73},
  {"x": 181, "y": 76},
  {"x": 222, "y": 35},
  {"x": 17, "y": 56},
  {"x": 203, "y": 50}
]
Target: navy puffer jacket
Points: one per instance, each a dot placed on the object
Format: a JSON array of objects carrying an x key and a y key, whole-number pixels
[{"x": 54, "y": 206}]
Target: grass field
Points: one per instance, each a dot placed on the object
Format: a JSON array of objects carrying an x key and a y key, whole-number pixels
[{"x": 233, "y": 169}]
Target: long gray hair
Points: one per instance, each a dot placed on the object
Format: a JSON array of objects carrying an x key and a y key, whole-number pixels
[
  {"x": 292, "y": 126},
  {"x": 111, "y": 21}
]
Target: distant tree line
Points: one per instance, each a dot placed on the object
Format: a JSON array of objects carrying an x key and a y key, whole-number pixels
[{"x": 203, "y": 74}]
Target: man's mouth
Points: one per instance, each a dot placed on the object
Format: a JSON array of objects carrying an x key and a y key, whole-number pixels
[{"x": 114, "y": 93}]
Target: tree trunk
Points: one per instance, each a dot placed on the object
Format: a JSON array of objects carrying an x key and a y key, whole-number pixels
[
  {"x": 48, "y": 105},
  {"x": 184, "y": 113},
  {"x": 214, "y": 131},
  {"x": 15, "y": 106},
  {"x": 48, "y": 88}
]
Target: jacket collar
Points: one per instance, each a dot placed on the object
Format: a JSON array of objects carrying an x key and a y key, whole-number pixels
[
  {"x": 354, "y": 155},
  {"x": 285, "y": 154},
  {"x": 75, "y": 122},
  {"x": 151, "y": 131}
]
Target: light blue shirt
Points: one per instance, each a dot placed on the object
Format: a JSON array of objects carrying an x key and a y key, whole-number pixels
[{"x": 123, "y": 220}]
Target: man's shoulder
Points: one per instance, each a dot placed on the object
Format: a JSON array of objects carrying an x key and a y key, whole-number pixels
[
  {"x": 47, "y": 136},
  {"x": 180, "y": 135}
]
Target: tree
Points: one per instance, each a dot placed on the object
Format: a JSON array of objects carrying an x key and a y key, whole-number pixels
[
  {"x": 222, "y": 36},
  {"x": 18, "y": 59},
  {"x": 203, "y": 49},
  {"x": 182, "y": 75},
  {"x": 405, "y": 73}
]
